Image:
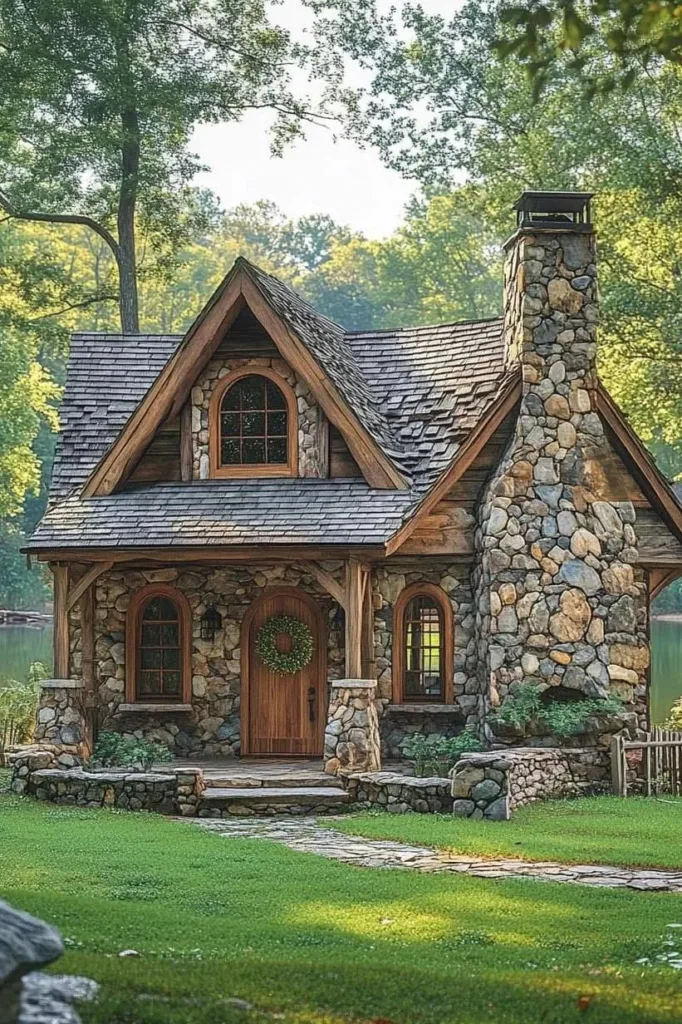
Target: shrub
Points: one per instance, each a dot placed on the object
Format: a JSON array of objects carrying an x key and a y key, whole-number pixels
[
  {"x": 18, "y": 707},
  {"x": 436, "y": 755},
  {"x": 674, "y": 719},
  {"x": 112, "y": 750},
  {"x": 564, "y": 718}
]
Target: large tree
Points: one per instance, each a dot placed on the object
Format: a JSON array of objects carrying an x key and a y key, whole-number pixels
[{"x": 99, "y": 99}]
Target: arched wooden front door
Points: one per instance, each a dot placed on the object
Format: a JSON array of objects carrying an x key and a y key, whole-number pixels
[{"x": 283, "y": 714}]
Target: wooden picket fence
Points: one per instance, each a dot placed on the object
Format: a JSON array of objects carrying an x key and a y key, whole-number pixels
[{"x": 661, "y": 762}]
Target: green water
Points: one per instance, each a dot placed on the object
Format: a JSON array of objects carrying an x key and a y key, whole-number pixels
[{"x": 22, "y": 645}]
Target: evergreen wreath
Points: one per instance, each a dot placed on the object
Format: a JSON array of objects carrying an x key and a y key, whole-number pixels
[{"x": 302, "y": 643}]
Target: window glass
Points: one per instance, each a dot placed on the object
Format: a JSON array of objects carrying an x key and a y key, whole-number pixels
[
  {"x": 424, "y": 654},
  {"x": 254, "y": 424},
  {"x": 159, "y": 654}
]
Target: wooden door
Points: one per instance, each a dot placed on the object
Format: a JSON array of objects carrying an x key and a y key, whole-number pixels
[{"x": 284, "y": 714}]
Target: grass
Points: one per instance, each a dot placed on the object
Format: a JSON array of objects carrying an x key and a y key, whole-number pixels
[
  {"x": 636, "y": 832},
  {"x": 310, "y": 941}
]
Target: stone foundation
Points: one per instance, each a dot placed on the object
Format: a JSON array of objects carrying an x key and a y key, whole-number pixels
[
  {"x": 351, "y": 738},
  {"x": 398, "y": 794},
  {"x": 491, "y": 785}
]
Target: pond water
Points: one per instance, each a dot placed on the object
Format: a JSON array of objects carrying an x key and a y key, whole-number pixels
[{"x": 22, "y": 645}]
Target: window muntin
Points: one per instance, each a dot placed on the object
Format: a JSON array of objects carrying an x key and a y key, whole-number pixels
[
  {"x": 424, "y": 647},
  {"x": 254, "y": 424},
  {"x": 159, "y": 653}
]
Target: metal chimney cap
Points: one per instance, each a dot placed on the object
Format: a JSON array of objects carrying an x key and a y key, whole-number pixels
[{"x": 552, "y": 202}]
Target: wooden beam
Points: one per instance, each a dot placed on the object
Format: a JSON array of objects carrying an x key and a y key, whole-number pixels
[
  {"x": 470, "y": 449},
  {"x": 331, "y": 585},
  {"x": 377, "y": 468},
  {"x": 60, "y": 573},
  {"x": 186, "y": 459},
  {"x": 368, "y": 664},
  {"x": 170, "y": 390},
  {"x": 227, "y": 554},
  {"x": 659, "y": 578},
  {"x": 354, "y": 574},
  {"x": 85, "y": 582}
]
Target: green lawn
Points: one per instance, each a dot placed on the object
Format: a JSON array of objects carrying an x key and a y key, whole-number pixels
[
  {"x": 600, "y": 830},
  {"x": 310, "y": 941}
]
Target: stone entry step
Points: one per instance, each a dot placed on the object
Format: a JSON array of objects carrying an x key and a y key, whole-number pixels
[
  {"x": 306, "y": 780},
  {"x": 217, "y": 802}
]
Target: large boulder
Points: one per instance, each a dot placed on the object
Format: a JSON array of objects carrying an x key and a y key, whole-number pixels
[{"x": 25, "y": 944}]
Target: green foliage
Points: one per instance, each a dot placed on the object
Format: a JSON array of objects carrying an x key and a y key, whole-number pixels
[
  {"x": 112, "y": 750},
  {"x": 674, "y": 719},
  {"x": 436, "y": 755},
  {"x": 563, "y": 718},
  {"x": 18, "y": 707},
  {"x": 300, "y": 652}
]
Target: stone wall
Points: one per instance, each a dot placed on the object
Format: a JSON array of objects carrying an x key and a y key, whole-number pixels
[
  {"x": 312, "y": 426},
  {"x": 213, "y": 726},
  {"x": 491, "y": 785},
  {"x": 398, "y": 794},
  {"x": 351, "y": 738},
  {"x": 37, "y": 773},
  {"x": 61, "y": 718},
  {"x": 561, "y": 601}
]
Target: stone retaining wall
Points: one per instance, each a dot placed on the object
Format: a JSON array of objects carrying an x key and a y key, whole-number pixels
[
  {"x": 351, "y": 738},
  {"x": 35, "y": 772},
  {"x": 492, "y": 784},
  {"x": 390, "y": 791}
]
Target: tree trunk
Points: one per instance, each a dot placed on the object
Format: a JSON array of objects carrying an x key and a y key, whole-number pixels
[{"x": 127, "y": 269}]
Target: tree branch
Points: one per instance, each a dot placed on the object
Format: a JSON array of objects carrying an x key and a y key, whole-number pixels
[
  {"x": 76, "y": 305},
  {"x": 62, "y": 218}
]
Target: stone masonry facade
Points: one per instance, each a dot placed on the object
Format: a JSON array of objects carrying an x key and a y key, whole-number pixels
[
  {"x": 561, "y": 601},
  {"x": 312, "y": 448}
]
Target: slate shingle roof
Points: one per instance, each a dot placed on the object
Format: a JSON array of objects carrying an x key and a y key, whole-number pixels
[
  {"x": 226, "y": 512},
  {"x": 418, "y": 392}
]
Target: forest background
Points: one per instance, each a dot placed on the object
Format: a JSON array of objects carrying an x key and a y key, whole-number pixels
[{"x": 467, "y": 129}]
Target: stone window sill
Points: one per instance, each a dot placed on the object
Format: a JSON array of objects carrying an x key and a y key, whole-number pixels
[
  {"x": 146, "y": 708},
  {"x": 425, "y": 709}
]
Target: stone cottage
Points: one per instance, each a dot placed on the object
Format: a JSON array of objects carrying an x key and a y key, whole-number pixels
[{"x": 269, "y": 518}]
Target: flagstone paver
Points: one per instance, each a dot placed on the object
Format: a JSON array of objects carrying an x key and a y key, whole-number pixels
[{"x": 305, "y": 836}]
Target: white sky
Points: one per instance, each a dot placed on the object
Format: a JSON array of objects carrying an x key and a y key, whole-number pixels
[{"x": 317, "y": 175}]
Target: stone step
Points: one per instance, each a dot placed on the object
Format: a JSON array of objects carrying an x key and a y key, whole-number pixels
[
  {"x": 305, "y": 781},
  {"x": 229, "y": 800}
]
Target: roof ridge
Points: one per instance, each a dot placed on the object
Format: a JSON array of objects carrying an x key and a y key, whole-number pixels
[{"x": 424, "y": 327}]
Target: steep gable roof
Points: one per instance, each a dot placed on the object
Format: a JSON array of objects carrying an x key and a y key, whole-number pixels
[{"x": 305, "y": 340}]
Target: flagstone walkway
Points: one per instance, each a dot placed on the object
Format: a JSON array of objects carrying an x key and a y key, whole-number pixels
[{"x": 305, "y": 836}]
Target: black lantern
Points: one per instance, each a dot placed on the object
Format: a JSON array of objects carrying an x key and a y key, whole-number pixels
[{"x": 211, "y": 622}]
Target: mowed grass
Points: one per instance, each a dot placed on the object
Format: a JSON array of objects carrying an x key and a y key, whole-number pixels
[
  {"x": 636, "y": 832},
  {"x": 310, "y": 941}
]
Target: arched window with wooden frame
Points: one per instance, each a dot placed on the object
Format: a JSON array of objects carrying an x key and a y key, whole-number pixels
[
  {"x": 423, "y": 647},
  {"x": 158, "y": 647},
  {"x": 253, "y": 425}
]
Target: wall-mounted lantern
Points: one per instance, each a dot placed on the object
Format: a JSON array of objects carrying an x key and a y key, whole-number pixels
[{"x": 211, "y": 622}]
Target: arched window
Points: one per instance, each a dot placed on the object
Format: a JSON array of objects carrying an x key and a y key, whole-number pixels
[
  {"x": 253, "y": 426},
  {"x": 158, "y": 647},
  {"x": 423, "y": 654}
]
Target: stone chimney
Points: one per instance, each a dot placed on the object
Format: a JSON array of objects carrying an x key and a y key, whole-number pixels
[{"x": 561, "y": 604}]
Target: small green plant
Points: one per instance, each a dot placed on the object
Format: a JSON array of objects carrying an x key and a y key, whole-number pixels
[
  {"x": 436, "y": 755},
  {"x": 18, "y": 706},
  {"x": 112, "y": 750},
  {"x": 564, "y": 718},
  {"x": 674, "y": 719}
]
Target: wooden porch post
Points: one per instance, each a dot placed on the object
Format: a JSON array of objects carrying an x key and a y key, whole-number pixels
[
  {"x": 60, "y": 573},
  {"x": 354, "y": 603}
]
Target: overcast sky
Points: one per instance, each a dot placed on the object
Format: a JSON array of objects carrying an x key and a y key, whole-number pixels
[{"x": 315, "y": 176}]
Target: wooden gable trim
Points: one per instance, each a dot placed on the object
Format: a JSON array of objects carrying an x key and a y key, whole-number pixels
[
  {"x": 169, "y": 392},
  {"x": 467, "y": 454},
  {"x": 650, "y": 479},
  {"x": 377, "y": 468}
]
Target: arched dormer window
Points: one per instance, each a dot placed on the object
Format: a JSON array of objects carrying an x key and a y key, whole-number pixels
[
  {"x": 423, "y": 651},
  {"x": 253, "y": 425},
  {"x": 158, "y": 654}
]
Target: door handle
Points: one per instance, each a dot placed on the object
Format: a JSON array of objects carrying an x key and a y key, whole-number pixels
[{"x": 311, "y": 703}]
